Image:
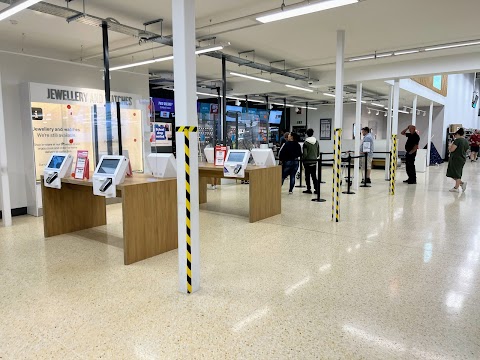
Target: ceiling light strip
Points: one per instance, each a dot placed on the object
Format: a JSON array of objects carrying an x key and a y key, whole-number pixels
[
  {"x": 16, "y": 8},
  {"x": 299, "y": 10},
  {"x": 249, "y": 77},
  {"x": 299, "y": 88}
]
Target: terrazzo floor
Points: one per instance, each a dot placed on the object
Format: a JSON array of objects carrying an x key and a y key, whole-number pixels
[{"x": 397, "y": 278}]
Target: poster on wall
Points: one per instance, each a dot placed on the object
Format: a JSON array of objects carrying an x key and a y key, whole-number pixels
[
  {"x": 161, "y": 134},
  {"x": 63, "y": 121},
  {"x": 164, "y": 107},
  {"x": 325, "y": 129}
]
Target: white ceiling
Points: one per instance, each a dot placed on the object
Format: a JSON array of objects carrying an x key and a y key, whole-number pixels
[{"x": 307, "y": 41}]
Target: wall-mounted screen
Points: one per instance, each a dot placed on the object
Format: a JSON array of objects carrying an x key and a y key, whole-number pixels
[{"x": 275, "y": 117}]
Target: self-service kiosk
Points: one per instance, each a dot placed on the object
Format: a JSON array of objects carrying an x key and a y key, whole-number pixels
[
  {"x": 110, "y": 172},
  {"x": 236, "y": 163},
  {"x": 263, "y": 157},
  {"x": 59, "y": 166},
  {"x": 162, "y": 165}
]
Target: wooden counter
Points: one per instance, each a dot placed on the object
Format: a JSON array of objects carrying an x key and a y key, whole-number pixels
[
  {"x": 149, "y": 208},
  {"x": 265, "y": 198}
]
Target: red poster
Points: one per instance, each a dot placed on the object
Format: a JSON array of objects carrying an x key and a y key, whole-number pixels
[
  {"x": 220, "y": 155},
  {"x": 82, "y": 166}
]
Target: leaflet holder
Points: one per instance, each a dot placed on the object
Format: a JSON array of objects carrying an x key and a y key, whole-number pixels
[
  {"x": 59, "y": 166},
  {"x": 162, "y": 165},
  {"x": 263, "y": 157},
  {"x": 110, "y": 172},
  {"x": 236, "y": 163}
]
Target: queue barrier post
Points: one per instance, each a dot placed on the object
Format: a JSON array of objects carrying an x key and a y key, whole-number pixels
[
  {"x": 349, "y": 179},
  {"x": 300, "y": 186}
]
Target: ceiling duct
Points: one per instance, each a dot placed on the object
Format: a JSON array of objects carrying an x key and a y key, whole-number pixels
[{"x": 84, "y": 18}]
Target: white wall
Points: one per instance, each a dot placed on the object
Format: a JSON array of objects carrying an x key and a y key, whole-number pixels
[
  {"x": 17, "y": 69},
  {"x": 458, "y": 108},
  {"x": 377, "y": 123}
]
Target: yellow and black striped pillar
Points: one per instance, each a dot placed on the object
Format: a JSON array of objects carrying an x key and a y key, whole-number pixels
[
  {"x": 393, "y": 164},
  {"x": 186, "y": 130},
  {"x": 337, "y": 173}
]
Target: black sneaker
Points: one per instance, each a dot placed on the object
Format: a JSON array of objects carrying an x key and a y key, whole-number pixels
[
  {"x": 369, "y": 181},
  {"x": 307, "y": 192},
  {"x": 406, "y": 181}
]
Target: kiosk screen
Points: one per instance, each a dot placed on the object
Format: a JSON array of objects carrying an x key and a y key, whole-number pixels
[
  {"x": 236, "y": 157},
  {"x": 56, "y": 162},
  {"x": 108, "y": 166}
]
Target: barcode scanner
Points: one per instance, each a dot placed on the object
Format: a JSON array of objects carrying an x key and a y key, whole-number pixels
[
  {"x": 106, "y": 184},
  {"x": 51, "y": 178}
]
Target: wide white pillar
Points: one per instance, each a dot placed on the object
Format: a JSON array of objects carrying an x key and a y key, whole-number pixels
[
  {"x": 4, "y": 184},
  {"x": 389, "y": 133},
  {"x": 429, "y": 140},
  {"x": 414, "y": 111},
  {"x": 338, "y": 124},
  {"x": 358, "y": 124},
  {"x": 396, "y": 105},
  {"x": 187, "y": 144}
]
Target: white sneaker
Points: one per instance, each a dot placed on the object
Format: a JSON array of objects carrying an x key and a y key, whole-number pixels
[
  {"x": 464, "y": 186},
  {"x": 290, "y": 193},
  {"x": 454, "y": 190}
]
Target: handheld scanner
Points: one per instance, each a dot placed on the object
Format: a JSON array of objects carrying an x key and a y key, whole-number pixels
[
  {"x": 51, "y": 178},
  {"x": 106, "y": 184}
]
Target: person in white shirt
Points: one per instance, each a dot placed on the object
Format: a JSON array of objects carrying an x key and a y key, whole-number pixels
[{"x": 367, "y": 147}]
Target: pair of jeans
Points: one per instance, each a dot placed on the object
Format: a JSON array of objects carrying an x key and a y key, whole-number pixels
[
  {"x": 311, "y": 172},
  {"x": 410, "y": 165},
  {"x": 290, "y": 168}
]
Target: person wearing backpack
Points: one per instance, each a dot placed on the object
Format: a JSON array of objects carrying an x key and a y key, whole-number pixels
[{"x": 311, "y": 152}]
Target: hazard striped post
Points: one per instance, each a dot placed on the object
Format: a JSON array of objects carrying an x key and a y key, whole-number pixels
[
  {"x": 337, "y": 173},
  {"x": 393, "y": 165},
  {"x": 186, "y": 118}
]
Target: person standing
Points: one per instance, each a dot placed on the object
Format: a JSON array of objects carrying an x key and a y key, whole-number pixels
[
  {"x": 367, "y": 147},
  {"x": 284, "y": 138},
  {"x": 289, "y": 156},
  {"x": 411, "y": 147},
  {"x": 474, "y": 145},
  {"x": 311, "y": 152},
  {"x": 456, "y": 162}
]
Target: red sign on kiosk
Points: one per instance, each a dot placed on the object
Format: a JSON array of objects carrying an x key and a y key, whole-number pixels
[
  {"x": 220, "y": 155},
  {"x": 82, "y": 166}
]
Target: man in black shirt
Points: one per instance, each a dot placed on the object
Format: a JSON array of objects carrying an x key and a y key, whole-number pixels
[{"x": 411, "y": 147}]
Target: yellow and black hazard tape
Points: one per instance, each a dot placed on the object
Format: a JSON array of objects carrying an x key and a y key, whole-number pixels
[
  {"x": 337, "y": 172},
  {"x": 187, "y": 130},
  {"x": 393, "y": 165}
]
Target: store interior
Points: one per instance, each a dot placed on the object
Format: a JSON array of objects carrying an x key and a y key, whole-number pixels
[{"x": 83, "y": 276}]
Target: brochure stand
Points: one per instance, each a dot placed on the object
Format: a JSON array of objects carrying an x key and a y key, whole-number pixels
[{"x": 82, "y": 166}]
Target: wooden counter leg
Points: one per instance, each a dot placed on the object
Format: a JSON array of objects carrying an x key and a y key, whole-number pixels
[
  {"x": 71, "y": 208},
  {"x": 202, "y": 187},
  {"x": 265, "y": 198},
  {"x": 149, "y": 220}
]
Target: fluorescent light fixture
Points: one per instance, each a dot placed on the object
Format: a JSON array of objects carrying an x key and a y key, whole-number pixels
[
  {"x": 360, "y": 58},
  {"x": 309, "y": 107},
  {"x": 441, "y": 47},
  {"x": 280, "y": 104},
  {"x": 299, "y": 88},
  {"x": 299, "y": 10},
  {"x": 328, "y": 94},
  {"x": 207, "y": 94},
  {"x": 16, "y": 7},
  {"x": 243, "y": 99},
  {"x": 165, "y": 58},
  {"x": 376, "y": 104},
  {"x": 363, "y": 101},
  {"x": 384, "y": 55},
  {"x": 249, "y": 77},
  {"x": 405, "y": 52},
  {"x": 403, "y": 111},
  {"x": 208, "y": 49}
]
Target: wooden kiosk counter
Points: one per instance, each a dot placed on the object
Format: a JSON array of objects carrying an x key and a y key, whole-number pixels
[
  {"x": 149, "y": 208},
  {"x": 265, "y": 190}
]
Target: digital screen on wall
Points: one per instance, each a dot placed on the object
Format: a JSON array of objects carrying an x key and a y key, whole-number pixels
[
  {"x": 275, "y": 117},
  {"x": 65, "y": 128}
]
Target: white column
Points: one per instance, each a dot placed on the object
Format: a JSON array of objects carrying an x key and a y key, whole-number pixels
[
  {"x": 339, "y": 79},
  {"x": 414, "y": 115},
  {"x": 338, "y": 123},
  {"x": 358, "y": 122},
  {"x": 4, "y": 184},
  {"x": 396, "y": 105},
  {"x": 186, "y": 115},
  {"x": 429, "y": 140},
  {"x": 389, "y": 133}
]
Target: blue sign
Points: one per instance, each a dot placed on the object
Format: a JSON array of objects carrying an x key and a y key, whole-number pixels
[
  {"x": 437, "y": 82},
  {"x": 160, "y": 132},
  {"x": 164, "y": 105}
]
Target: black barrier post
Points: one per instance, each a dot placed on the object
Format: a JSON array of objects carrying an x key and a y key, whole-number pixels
[
  {"x": 364, "y": 184},
  {"x": 300, "y": 186},
  {"x": 349, "y": 178},
  {"x": 319, "y": 178}
]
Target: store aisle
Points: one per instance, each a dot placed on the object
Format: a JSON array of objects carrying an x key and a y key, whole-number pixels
[{"x": 398, "y": 278}]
